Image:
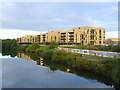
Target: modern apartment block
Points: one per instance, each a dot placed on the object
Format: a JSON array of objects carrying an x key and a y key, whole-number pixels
[
  {"x": 28, "y": 39},
  {"x": 77, "y": 36},
  {"x": 112, "y": 41}
]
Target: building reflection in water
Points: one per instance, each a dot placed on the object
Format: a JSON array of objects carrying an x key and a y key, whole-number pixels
[
  {"x": 89, "y": 75},
  {"x": 40, "y": 61},
  {"x": 22, "y": 55}
]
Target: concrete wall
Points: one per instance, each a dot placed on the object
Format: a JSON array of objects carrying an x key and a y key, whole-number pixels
[{"x": 93, "y": 52}]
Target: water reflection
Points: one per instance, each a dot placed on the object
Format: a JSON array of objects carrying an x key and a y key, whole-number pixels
[
  {"x": 92, "y": 77},
  {"x": 22, "y": 55},
  {"x": 20, "y": 73},
  {"x": 53, "y": 67}
]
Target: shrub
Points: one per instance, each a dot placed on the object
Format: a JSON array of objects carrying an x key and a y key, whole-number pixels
[
  {"x": 59, "y": 55},
  {"x": 63, "y": 57},
  {"x": 9, "y": 44},
  {"x": 39, "y": 51},
  {"x": 52, "y": 45},
  {"x": 116, "y": 48},
  {"x": 22, "y": 47},
  {"x": 47, "y": 54},
  {"x": 32, "y": 47}
]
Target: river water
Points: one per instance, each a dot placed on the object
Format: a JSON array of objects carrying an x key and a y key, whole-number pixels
[{"x": 23, "y": 72}]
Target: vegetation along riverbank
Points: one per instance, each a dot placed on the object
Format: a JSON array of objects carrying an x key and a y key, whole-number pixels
[{"x": 107, "y": 68}]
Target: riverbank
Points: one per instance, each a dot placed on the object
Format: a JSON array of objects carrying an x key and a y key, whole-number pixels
[
  {"x": 107, "y": 68},
  {"x": 104, "y": 69},
  {"x": 73, "y": 59}
]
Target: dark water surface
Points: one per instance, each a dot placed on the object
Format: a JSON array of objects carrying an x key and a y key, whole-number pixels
[{"x": 23, "y": 72}]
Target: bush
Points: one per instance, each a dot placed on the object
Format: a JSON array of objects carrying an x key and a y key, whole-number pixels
[
  {"x": 62, "y": 56},
  {"x": 47, "y": 54},
  {"x": 9, "y": 44},
  {"x": 52, "y": 45},
  {"x": 22, "y": 47},
  {"x": 116, "y": 48},
  {"x": 32, "y": 48},
  {"x": 39, "y": 51}
]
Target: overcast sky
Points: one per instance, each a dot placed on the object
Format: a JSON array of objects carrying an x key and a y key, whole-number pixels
[{"x": 38, "y": 17}]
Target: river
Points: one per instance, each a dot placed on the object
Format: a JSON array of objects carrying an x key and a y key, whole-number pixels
[{"x": 20, "y": 71}]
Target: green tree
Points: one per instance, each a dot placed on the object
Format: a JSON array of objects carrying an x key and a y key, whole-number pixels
[
  {"x": 32, "y": 47},
  {"x": 9, "y": 44},
  {"x": 52, "y": 45}
]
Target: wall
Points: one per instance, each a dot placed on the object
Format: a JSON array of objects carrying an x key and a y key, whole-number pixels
[{"x": 93, "y": 52}]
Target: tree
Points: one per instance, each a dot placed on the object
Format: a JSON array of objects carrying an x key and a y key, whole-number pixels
[
  {"x": 32, "y": 47},
  {"x": 52, "y": 45}
]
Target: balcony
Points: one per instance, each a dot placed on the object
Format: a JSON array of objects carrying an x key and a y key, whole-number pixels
[
  {"x": 71, "y": 41},
  {"x": 71, "y": 38},
  {"x": 63, "y": 38},
  {"x": 62, "y": 41},
  {"x": 71, "y": 35},
  {"x": 63, "y": 35}
]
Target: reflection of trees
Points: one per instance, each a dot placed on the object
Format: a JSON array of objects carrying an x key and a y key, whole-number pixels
[
  {"x": 111, "y": 79},
  {"x": 33, "y": 56},
  {"x": 12, "y": 53},
  {"x": 9, "y": 47}
]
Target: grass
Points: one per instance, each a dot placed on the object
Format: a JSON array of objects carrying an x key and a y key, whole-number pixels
[{"x": 100, "y": 57}]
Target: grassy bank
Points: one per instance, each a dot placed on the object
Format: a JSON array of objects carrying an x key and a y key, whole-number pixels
[
  {"x": 73, "y": 59},
  {"x": 108, "y": 68}
]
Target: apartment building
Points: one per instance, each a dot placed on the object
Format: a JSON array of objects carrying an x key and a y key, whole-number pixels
[
  {"x": 28, "y": 39},
  {"x": 77, "y": 36},
  {"x": 112, "y": 41}
]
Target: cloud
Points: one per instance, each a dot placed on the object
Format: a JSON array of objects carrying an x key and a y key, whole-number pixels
[
  {"x": 48, "y": 16},
  {"x": 112, "y": 34},
  {"x": 14, "y": 33}
]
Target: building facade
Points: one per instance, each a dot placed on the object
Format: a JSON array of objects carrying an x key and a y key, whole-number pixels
[
  {"x": 77, "y": 36},
  {"x": 112, "y": 41},
  {"x": 28, "y": 39}
]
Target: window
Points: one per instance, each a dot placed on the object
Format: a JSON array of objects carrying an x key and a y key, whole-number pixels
[
  {"x": 82, "y": 36},
  {"x": 92, "y": 37},
  {"x": 88, "y": 31},
  {"x": 55, "y": 38},
  {"x": 92, "y": 31},
  {"x": 82, "y": 42},
  {"x": 100, "y": 31},
  {"x": 51, "y": 38}
]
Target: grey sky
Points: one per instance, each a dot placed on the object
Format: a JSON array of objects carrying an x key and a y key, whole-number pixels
[{"x": 45, "y": 16}]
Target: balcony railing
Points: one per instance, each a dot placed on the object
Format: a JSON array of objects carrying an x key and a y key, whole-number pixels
[
  {"x": 71, "y": 35},
  {"x": 63, "y": 35},
  {"x": 70, "y": 41},
  {"x": 63, "y": 38},
  {"x": 71, "y": 38}
]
